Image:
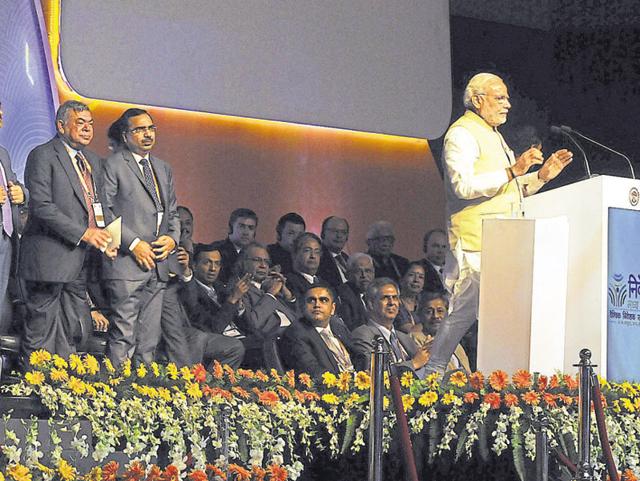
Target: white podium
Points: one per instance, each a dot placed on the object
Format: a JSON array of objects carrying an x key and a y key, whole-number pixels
[{"x": 523, "y": 289}]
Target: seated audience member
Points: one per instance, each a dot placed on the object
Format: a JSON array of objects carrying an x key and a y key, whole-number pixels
[
  {"x": 411, "y": 286},
  {"x": 307, "y": 249},
  {"x": 380, "y": 240},
  {"x": 333, "y": 263},
  {"x": 115, "y": 141},
  {"x": 243, "y": 224},
  {"x": 269, "y": 306},
  {"x": 289, "y": 227},
  {"x": 351, "y": 305},
  {"x": 432, "y": 310},
  {"x": 186, "y": 228},
  {"x": 383, "y": 302},
  {"x": 320, "y": 342},
  {"x": 440, "y": 267}
]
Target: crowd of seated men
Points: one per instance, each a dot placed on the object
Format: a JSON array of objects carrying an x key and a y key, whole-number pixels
[{"x": 301, "y": 302}]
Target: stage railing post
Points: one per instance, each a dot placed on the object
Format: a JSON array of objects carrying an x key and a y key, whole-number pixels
[
  {"x": 226, "y": 425},
  {"x": 542, "y": 448},
  {"x": 584, "y": 469},
  {"x": 378, "y": 363}
]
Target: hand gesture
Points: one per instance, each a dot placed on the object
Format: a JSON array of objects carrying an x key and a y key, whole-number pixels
[
  {"x": 421, "y": 357},
  {"x": 183, "y": 262},
  {"x": 144, "y": 255},
  {"x": 240, "y": 288},
  {"x": 100, "y": 323},
  {"x": 3, "y": 195},
  {"x": 163, "y": 246},
  {"x": 528, "y": 158},
  {"x": 98, "y": 238},
  {"x": 555, "y": 164},
  {"x": 16, "y": 194}
]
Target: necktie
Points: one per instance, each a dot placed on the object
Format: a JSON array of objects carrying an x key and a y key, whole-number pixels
[
  {"x": 151, "y": 185},
  {"x": 339, "y": 352},
  {"x": 7, "y": 220},
  {"x": 341, "y": 261},
  {"x": 398, "y": 352},
  {"x": 87, "y": 187},
  {"x": 213, "y": 295}
]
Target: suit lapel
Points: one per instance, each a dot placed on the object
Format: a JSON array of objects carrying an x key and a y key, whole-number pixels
[
  {"x": 133, "y": 165},
  {"x": 160, "y": 179},
  {"x": 65, "y": 162},
  {"x": 321, "y": 347}
]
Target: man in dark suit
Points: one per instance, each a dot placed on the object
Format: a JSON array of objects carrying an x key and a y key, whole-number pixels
[
  {"x": 243, "y": 224},
  {"x": 319, "y": 342},
  {"x": 65, "y": 184},
  {"x": 351, "y": 304},
  {"x": 12, "y": 196},
  {"x": 435, "y": 247},
  {"x": 139, "y": 188},
  {"x": 383, "y": 303},
  {"x": 289, "y": 227},
  {"x": 307, "y": 250},
  {"x": 380, "y": 240},
  {"x": 333, "y": 263}
]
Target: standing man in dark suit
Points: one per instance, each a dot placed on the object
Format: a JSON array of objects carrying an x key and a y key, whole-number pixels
[
  {"x": 435, "y": 247},
  {"x": 289, "y": 227},
  {"x": 139, "y": 188},
  {"x": 333, "y": 264},
  {"x": 351, "y": 305},
  {"x": 243, "y": 224},
  {"x": 12, "y": 195},
  {"x": 65, "y": 183},
  {"x": 319, "y": 342}
]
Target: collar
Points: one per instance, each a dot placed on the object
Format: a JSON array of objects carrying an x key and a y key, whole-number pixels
[
  {"x": 386, "y": 333},
  {"x": 325, "y": 329},
  {"x": 138, "y": 157},
  {"x": 257, "y": 284},
  {"x": 204, "y": 286},
  {"x": 475, "y": 118},
  {"x": 70, "y": 150},
  {"x": 308, "y": 277}
]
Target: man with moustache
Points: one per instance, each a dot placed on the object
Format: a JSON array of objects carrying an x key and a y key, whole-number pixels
[
  {"x": 63, "y": 234},
  {"x": 289, "y": 227},
  {"x": 483, "y": 179},
  {"x": 333, "y": 263},
  {"x": 139, "y": 188}
]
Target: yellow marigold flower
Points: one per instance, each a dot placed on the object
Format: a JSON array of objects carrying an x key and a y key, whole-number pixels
[
  {"x": 458, "y": 379},
  {"x": 76, "y": 364},
  {"x": 636, "y": 403},
  {"x": 114, "y": 381},
  {"x": 155, "y": 368},
  {"x": 432, "y": 381},
  {"x": 1, "y": 476},
  {"x": 19, "y": 472},
  {"x": 363, "y": 380},
  {"x": 385, "y": 402},
  {"x": 164, "y": 393},
  {"x": 67, "y": 472},
  {"x": 194, "y": 390},
  {"x": 406, "y": 380},
  {"x": 616, "y": 406},
  {"x": 428, "y": 398},
  {"x": 58, "y": 375},
  {"x": 126, "y": 368},
  {"x": 76, "y": 385},
  {"x": 450, "y": 398},
  {"x": 344, "y": 380},
  {"x": 39, "y": 357},
  {"x": 95, "y": 474},
  {"x": 352, "y": 399},
  {"x": 108, "y": 365},
  {"x": 60, "y": 362},
  {"x": 43, "y": 469},
  {"x": 627, "y": 404},
  {"x": 329, "y": 379},
  {"x": 34, "y": 377},
  {"x": 407, "y": 402},
  {"x": 141, "y": 371},
  {"x": 330, "y": 398},
  {"x": 91, "y": 391},
  {"x": 187, "y": 375},
  {"x": 387, "y": 383},
  {"x": 172, "y": 371},
  {"x": 91, "y": 364}
]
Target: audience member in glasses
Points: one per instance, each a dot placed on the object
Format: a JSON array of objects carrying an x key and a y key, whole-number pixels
[
  {"x": 307, "y": 250},
  {"x": 333, "y": 263},
  {"x": 351, "y": 305},
  {"x": 380, "y": 240}
]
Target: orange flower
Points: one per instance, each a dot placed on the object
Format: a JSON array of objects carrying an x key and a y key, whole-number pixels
[
  {"x": 238, "y": 391},
  {"x": 110, "y": 471},
  {"x": 550, "y": 400},
  {"x": 284, "y": 393},
  {"x": 216, "y": 471},
  {"x": 155, "y": 473},
  {"x": 476, "y": 379},
  {"x": 239, "y": 472},
  {"x": 275, "y": 376},
  {"x": 571, "y": 382},
  {"x": 290, "y": 376},
  {"x": 498, "y": 380},
  {"x": 217, "y": 392},
  {"x": 258, "y": 473},
  {"x": 277, "y": 473},
  {"x": 199, "y": 373},
  {"x": 554, "y": 382},
  {"x": 260, "y": 376},
  {"x": 311, "y": 396},
  {"x": 268, "y": 398},
  {"x": 218, "y": 372},
  {"x": 170, "y": 473},
  {"x": 531, "y": 397},
  {"x": 522, "y": 379},
  {"x": 510, "y": 400},
  {"x": 198, "y": 475},
  {"x": 230, "y": 373},
  {"x": 470, "y": 397},
  {"x": 492, "y": 399},
  {"x": 305, "y": 379},
  {"x": 135, "y": 471},
  {"x": 299, "y": 396},
  {"x": 542, "y": 382},
  {"x": 248, "y": 373},
  {"x": 458, "y": 379},
  {"x": 628, "y": 475}
]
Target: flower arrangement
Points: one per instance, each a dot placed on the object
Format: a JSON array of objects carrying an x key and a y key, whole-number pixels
[{"x": 281, "y": 420}]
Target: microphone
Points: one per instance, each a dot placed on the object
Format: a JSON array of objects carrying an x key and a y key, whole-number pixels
[
  {"x": 569, "y": 130},
  {"x": 566, "y": 131}
]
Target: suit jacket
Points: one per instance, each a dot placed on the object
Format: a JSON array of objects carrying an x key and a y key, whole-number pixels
[
  {"x": 260, "y": 311},
  {"x": 51, "y": 249},
  {"x": 5, "y": 160},
  {"x": 127, "y": 195},
  {"x": 349, "y": 306},
  {"x": 303, "y": 349},
  {"x": 432, "y": 280},
  {"x": 298, "y": 284},
  {"x": 229, "y": 256},
  {"x": 328, "y": 269},
  {"x": 202, "y": 312},
  {"x": 386, "y": 269},
  {"x": 363, "y": 343},
  {"x": 280, "y": 256}
]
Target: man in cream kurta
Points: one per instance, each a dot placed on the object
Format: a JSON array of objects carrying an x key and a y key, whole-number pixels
[{"x": 483, "y": 180}]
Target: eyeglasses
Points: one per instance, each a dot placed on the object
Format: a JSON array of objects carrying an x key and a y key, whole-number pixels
[
  {"x": 145, "y": 129},
  {"x": 384, "y": 238},
  {"x": 501, "y": 99},
  {"x": 260, "y": 260}
]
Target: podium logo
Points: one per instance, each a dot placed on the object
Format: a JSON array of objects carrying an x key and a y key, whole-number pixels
[
  {"x": 634, "y": 196},
  {"x": 618, "y": 289}
]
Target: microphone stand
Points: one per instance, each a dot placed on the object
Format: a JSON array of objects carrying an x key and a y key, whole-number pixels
[
  {"x": 559, "y": 130},
  {"x": 589, "y": 139}
]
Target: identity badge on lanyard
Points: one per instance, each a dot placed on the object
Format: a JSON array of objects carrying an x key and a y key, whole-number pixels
[{"x": 98, "y": 214}]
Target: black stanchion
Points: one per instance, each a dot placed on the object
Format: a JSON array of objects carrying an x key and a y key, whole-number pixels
[
  {"x": 542, "y": 448},
  {"x": 403, "y": 426},
  {"x": 584, "y": 469},
  {"x": 602, "y": 429},
  {"x": 378, "y": 363},
  {"x": 226, "y": 421}
]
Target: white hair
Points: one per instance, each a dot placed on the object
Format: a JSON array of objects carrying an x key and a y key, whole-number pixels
[
  {"x": 477, "y": 85},
  {"x": 376, "y": 227}
]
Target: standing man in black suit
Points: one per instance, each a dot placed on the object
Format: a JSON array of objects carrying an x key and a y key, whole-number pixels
[
  {"x": 139, "y": 188},
  {"x": 320, "y": 342},
  {"x": 289, "y": 227},
  {"x": 307, "y": 250},
  {"x": 435, "y": 247},
  {"x": 12, "y": 195},
  {"x": 65, "y": 183},
  {"x": 380, "y": 240},
  {"x": 351, "y": 305},
  {"x": 243, "y": 224},
  {"x": 333, "y": 264}
]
